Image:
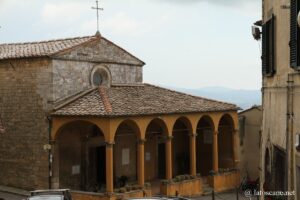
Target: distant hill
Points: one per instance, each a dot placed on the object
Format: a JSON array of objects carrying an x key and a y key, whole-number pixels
[{"x": 243, "y": 98}]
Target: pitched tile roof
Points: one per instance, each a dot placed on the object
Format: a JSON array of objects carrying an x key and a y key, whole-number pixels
[
  {"x": 54, "y": 48},
  {"x": 2, "y": 129},
  {"x": 40, "y": 49},
  {"x": 138, "y": 100}
]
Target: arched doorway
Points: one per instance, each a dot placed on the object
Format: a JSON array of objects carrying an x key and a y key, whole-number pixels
[
  {"x": 225, "y": 142},
  {"x": 204, "y": 145},
  {"x": 181, "y": 147},
  {"x": 125, "y": 153},
  {"x": 267, "y": 170},
  {"x": 155, "y": 150},
  {"x": 80, "y": 157}
]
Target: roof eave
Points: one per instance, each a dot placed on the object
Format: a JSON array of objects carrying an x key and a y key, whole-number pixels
[{"x": 142, "y": 115}]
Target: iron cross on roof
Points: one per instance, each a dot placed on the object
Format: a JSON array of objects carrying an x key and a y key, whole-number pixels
[{"x": 97, "y": 8}]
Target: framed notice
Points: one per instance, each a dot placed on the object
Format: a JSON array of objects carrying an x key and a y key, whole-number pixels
[
  {"x": 147, "y": 156},
  {"x": 125, "y": 156},
  {"x": 207, "y": 137},
  {"x": 75, "y": 169}
]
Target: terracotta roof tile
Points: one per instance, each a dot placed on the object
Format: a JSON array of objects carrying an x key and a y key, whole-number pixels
[
  {"x": 42, "y": 48},
  {"x": 139, "y": 100}
]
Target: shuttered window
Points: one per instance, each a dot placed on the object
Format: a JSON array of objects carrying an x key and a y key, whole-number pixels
[
  {"x": 295, "y": 35},
  {"x": 268, "y": 47}
]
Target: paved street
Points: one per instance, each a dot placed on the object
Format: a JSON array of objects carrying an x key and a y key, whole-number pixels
[
  {"x": 8, "y": 196},
  {"x": 224, "y": 196}
]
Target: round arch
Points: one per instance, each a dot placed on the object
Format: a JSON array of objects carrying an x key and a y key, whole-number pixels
[
  {"x": 204, "y": 144},
  {"x": 225, "y": 142},
  {"x": 125, "y": 152},
  {"x": 155, "y": 149},
  {"x": 181, "y": 132},
  {"x": 79, "y": 147},
  {"x": 131, "y": 124},
  {"x": 267, "y": 169},
  {"x": 182, "y": 120},
  {"x": 100, "y": 76}
]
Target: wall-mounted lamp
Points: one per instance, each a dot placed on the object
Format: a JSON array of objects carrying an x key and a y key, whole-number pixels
[
  {"x": 298, "y": 19},
  {"x": 256, "y": 33}
]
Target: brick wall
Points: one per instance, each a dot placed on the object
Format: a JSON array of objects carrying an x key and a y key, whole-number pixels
[{"x": 25, "y": 89}]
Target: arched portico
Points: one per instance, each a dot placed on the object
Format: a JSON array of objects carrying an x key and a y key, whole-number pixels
[{"x": 147, "y": 147}]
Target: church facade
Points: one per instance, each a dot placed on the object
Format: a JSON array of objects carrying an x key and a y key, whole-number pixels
[{"x": 77, "y": 115}]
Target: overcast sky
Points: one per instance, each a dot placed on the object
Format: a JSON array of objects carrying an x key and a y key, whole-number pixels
[{"x": 185, "y": 43}]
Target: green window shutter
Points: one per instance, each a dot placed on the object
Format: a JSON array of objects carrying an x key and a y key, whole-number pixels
[
  {"x": 294, "y": 35},
  {"x": 264, "y": 57},
  {"x": 268, "y": 47}
]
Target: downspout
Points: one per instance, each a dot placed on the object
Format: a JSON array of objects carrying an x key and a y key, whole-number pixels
[
  {"x": 289, "y": 135},
  {"x": 50, "y": 157}
]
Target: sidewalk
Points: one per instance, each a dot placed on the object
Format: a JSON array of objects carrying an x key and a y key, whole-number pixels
[{"x": 9, "y": 193}]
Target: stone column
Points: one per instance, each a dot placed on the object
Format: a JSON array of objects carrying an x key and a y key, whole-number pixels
[
  {"x": 193, "y": 158},
  {"x": 109, "y": 168},
  {"x": 169, "y": 158},
  {"x": 215, "y": 152},
  {"x": 141, "y": 162}
]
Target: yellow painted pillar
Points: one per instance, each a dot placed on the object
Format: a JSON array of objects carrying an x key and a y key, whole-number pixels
[
  {"x": 215, "y": 152},
  {"x": 235, "y": 148},
  {"x": 169, "y": 158},
  {"x": 193, "y": 158},
  {"x": 141, "y": 162},
  {"x": 109, "y": 168}
]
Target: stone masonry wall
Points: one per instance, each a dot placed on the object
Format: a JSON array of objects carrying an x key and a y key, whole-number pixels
[
  {"x": 25, "y": 89},
  {"x": 71, "y": 77}
]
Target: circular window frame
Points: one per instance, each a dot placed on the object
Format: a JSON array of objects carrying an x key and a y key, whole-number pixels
[{"x": 104, "y": 73}]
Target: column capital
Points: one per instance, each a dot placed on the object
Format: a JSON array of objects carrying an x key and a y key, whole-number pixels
[
  {"x": 168, "y": 138},
  {"x": 141, "y": 141},
  {"x": 193, "y": 135},
  {"x": 216, "y": 132},
  {"x": 109, "y": 144}
]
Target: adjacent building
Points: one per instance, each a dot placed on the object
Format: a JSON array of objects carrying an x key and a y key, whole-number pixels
[
  {"x": 280, "y": 157},
  {"x": 250, "y": 121}
]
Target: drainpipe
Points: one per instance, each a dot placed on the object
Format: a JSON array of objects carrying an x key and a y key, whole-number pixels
[
  {"x": 289, "y": 135},
  {"x": 50, "y": 157}
]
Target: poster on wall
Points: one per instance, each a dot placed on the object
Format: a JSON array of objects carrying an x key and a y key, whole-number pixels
[
  {"x": 75, "y": 169},
  {"x": 125, "y": 156},
  {"x": 147, "y": 156},
  {"x": 207, "y": 137}
]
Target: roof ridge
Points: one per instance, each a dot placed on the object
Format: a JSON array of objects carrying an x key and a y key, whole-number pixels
[
  {"x": 204, "y": 98},
  {"x": 91, "y": 39},
  {"x": 73, "y": 98},
  {"x": 123, "y": 50},
  {"x": 45, "y": 41},
  {"x": 105, "y": 100}
]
